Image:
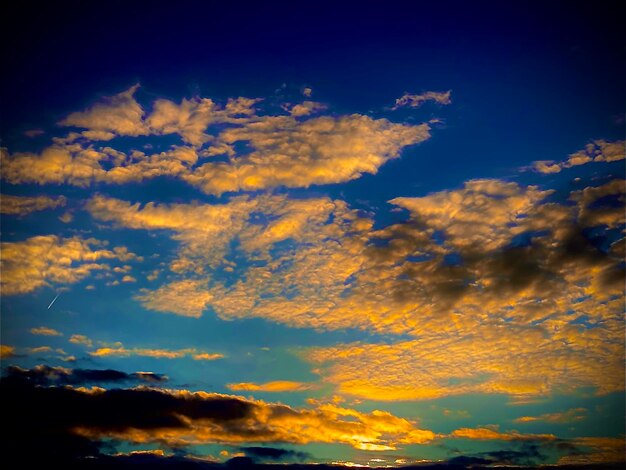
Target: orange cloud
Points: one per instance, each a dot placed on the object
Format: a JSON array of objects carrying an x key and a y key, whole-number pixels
[
  {"x": 45, "y": 331},
  {"x": 191, "y": 118},
  {"x": 275, "y": 386},
  {"x": 415, "y": 101},
  {"x": 42, "y": 260},
  {"x": 491, "y": 435},
  {"x": 375, "y": 431},
  {"x": 121, "y": 351},
  {"x": 571, "y": 415},
  {"x": 596, "y": 450},
  {"x": 23, "y": 205},
  {"x": 596, "y": 151},
  {"x": 116, "y": 115},
  {"x": 294, "y": 154},
  {"x": 6, "y": 351},
  {"x": 81, "y": 339}
]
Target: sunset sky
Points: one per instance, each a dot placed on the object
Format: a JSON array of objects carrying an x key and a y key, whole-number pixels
[{"x": 381, "y": 235}]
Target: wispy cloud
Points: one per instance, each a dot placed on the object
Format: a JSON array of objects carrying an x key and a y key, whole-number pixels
[
  {"x": 24, "y": 205},
  {"x": 409, "y": 100},
  {"x": 596, "y": 151},
  {"x": 120, "y": 351},
  {"x": 275, "y": 386},
  {"x": 569, "y": 416},
  {"x": 45, "y": 331}
]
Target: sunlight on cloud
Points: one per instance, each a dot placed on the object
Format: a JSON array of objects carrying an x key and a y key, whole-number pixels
[
  {"x": 596, "y": 151},
  {"x": 23, "y": 205},
  {"x": 45, "y": 260},
  {"x": 275, "y": 386},
  {"x": 271, "y": 422},
  {"x": 295, "y": 154}
]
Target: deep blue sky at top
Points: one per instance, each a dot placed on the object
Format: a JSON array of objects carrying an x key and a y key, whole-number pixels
[{"x": 530, "y": 80}]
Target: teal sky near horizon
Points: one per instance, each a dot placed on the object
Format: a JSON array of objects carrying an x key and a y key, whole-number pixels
[{"x": 392, "y": 237}]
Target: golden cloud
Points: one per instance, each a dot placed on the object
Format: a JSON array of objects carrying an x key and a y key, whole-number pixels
[
  {"x": 323, "y": 150},
  {"x": 569, "y": 416},
  {"x": 259, "y": 421},
  {"x": 275, "y": 386},
  {"x": 45, "y": 331},
  {"x": 23, "y": 205},
  {"x": 596, "y": 151},
  {"x": 6, "y": 351},
  {"x": 116, "y": 115},
  {"x": 120, "y": 351},
  {"x": 42, "y": 260},
  {"x": 81, "y": 339},
  {"x": 409, "y": 100}
]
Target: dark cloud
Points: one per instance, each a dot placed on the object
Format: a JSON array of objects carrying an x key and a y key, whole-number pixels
[
  {"x": 46, "y": 375},
  {"x": 272, "y": 453},
  {"x": 45, "y": 418}
]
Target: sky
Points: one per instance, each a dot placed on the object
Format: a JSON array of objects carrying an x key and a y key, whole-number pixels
[{"x": 250, "y": 233}]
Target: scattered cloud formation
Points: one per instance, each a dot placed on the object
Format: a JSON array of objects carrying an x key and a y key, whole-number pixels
[
  {"x": 569, "y": 416},
  {"x": 305, "y": 108},
  {"x": 44, "y": 260},
  {"x": 24, "y": 205},
  {"x": 294, "y": 154},
  {"x": 490, "y": 263},
  {"x": 191, "y": 118},
  {"x": 409, "y": 100},
  {"x": 275, "y": 386},
  {"x": 596, "y": 151},
  {"x": 45, "y": 331},
  {"x": 284, "y": 150}
]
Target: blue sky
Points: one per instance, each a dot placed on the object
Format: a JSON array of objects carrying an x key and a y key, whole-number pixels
[{"x": 403, "y": 222}]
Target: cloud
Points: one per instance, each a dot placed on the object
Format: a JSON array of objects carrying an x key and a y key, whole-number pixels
[
  {"x": 187, "y": 298},
  {"x": 24, "y": 205},
  {"x": 119, "y": 350},
  {"x": 45, "y": 331},
  {"x": 596, "y": 151},
  {"x": 492, "y": 263},
  {"x": 274, "y": 454},
  {"x": 81, "y": 339},
  {"x": 48, "y": 259},
  {"x": 191, "y": 118},
  {"x": 569, "y": 416},
  {"x": 6, "y": 351},
  {"x": 83, "y": 165},
  {"x": 322, "y": 150},
  {"x": 193, "y": 225},
  {"x": 283, "y": 150},
  {"x": 588, "y": 451},
  {"x": 46, "y": 375},
  {"x": 275, "y": 386},
  {"x": 305, "y": 108},
  {"x": 34, "y": 133},
  {"x": 180, "y": 418},
  {"x": 491, "y": 435},
  {"x": 116, "y": 115},
  {"x": 415, "y": 101}
]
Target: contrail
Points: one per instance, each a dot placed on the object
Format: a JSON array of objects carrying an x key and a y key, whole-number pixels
[{"x": 53, "y": 300}]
